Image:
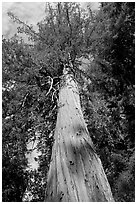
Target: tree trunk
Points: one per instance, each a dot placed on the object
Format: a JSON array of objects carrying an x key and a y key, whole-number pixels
[{"x": 76, "y": 173}]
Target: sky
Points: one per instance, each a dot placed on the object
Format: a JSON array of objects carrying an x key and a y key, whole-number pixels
[{"x": 29, "y": 12}]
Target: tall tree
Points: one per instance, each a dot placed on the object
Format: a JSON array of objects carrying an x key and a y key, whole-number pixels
[
  {"x": 76, "y": 172},
  {"x": 55, "y": 77}
]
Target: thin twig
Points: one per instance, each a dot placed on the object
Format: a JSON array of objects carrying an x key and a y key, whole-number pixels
[{"x": 51, "y": 86}]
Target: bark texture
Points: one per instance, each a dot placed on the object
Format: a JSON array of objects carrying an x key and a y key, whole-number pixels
[{"x": 76, "y": 173}]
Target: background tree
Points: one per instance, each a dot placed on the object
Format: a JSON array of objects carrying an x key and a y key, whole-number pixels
[
  {"x": 113, "y": 79},
  {"x": 15, "y": 123},
  {"x": 23, "y": 114}
]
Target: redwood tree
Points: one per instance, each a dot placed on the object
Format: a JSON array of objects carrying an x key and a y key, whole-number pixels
[{"x": 76, "y": 172}]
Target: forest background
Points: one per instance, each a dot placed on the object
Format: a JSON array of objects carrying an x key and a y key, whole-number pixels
[{"x": 107, "y": 99}]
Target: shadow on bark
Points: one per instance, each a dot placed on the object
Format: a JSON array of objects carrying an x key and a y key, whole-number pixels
[{"x": 85, "y": 170}]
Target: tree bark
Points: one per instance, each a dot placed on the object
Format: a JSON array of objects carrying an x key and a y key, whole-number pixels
[{"x": 76, "y": 173}]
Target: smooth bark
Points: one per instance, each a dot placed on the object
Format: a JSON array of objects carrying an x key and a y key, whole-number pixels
[{"x": 76, "y": 173}]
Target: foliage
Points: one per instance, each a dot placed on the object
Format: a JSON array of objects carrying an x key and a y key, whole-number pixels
[
  {"x": 24, "y": 111},
  {"x": 14, "y": 129},
  {"x": 110, "y": 107}
]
